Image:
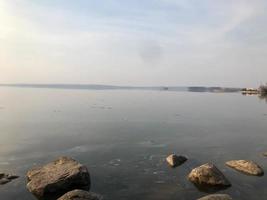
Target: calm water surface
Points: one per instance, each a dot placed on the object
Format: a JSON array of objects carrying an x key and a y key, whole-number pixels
[{"x": 124, "y": 136}]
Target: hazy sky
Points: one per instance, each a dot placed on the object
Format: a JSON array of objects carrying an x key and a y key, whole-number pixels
[{"x": 134, "y": 42}]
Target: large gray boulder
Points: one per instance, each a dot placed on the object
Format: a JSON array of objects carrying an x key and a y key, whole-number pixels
[
  {"x": 57, "y": 178},
  {"x": 80, "y": 195},
  {"x": 246, "y": 166},
  {"x": 208, "y": 175},
  {"x": 216, "y": 197}
]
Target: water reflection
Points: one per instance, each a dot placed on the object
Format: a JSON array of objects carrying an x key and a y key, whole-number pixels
[
  {"x": 263, "y": 97},
  {"x": 210, "y": 190}
]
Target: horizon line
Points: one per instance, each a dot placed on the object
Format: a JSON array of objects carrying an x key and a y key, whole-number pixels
[{"x": 108, "y": 85}]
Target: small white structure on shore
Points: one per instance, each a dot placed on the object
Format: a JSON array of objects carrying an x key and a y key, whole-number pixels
[{"x": 250, "y": 91}]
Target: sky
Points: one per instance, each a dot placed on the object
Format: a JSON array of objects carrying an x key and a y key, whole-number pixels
[{"x": 134, "y": 42}]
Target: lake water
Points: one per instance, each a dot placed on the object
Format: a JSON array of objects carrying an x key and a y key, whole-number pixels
[{"x": 124, "y": 136}]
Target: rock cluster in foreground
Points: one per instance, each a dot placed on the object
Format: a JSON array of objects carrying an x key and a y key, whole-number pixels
[
  {"x": 246, "y": 166},
  {"x": 208, "y": 175},
  {"x": 6, "y": 178},
  {"x": 216, "y": 197},
  {"x": 57, "y": 178},
  {"x": 66, "y": 179}
]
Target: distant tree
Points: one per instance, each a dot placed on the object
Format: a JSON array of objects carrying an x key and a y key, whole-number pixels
[{"x": 263, "y": 90}]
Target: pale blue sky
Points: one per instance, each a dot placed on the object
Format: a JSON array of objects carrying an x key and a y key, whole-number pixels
[{"x": 134, "y": 42}]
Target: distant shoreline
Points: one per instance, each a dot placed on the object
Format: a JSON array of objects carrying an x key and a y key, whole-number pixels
[{"x": 112, "y": 87}]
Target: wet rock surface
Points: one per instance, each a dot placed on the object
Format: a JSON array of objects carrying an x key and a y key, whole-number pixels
[
  {"x": 216, "y": 197},
  {"x": 6, "y": 178},
  {"x": 80, "y": 195},
  {"x": 208, "y": 175},
  {"x": 246, "y": 166},
  {"x": 57, "y": 178},
  {"x": 174, "y": 160}
]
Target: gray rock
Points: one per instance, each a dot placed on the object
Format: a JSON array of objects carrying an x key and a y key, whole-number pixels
[
  {"x": 11, "y": 176},
  {"x": 4, "y": 181},
  {"x": 216, "y": 197},
  {"x": 2, "y": 175},
  {"x": 174, "y": 160},
  {"x": 80, "y": 195},
  {"x": 57, "y": 178},
  {"x": 208, "y": 175},
  {"x": 246, "y": 166},
  {"x": 6, "y": 178}
]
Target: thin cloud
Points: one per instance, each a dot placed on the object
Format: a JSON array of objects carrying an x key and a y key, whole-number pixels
[{"x": 151, "y": 42}]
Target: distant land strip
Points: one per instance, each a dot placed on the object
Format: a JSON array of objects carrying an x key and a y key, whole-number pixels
[{"x": 112, "y": 87}]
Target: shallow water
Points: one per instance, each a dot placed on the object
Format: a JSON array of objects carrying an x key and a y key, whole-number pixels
[{"x": 124, "y": 136}]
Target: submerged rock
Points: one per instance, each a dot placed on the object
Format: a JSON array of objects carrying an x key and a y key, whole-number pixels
[
  {"x": 4, "y": 181},
  {"x": 174, "y": 160},
  {"x": 6, "y": 178},
  {"x": 216, "y": 197},
  {"x": 208, "y": 175},
  {"x": 80, "y": 195},
  {"x": 246, "y": 166},
  {"x": 57, "y": 178},
  {"x": 265, "y": 154}
]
